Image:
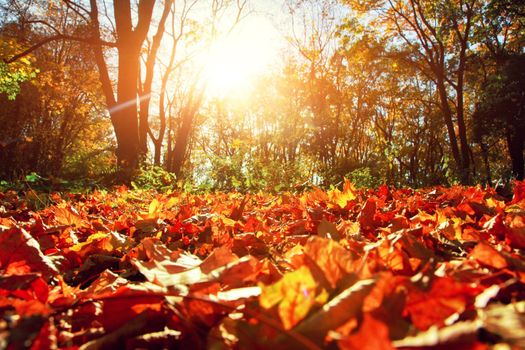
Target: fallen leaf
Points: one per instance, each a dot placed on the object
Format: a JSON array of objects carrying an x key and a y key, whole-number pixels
[
  {"x": 371, "y": 335},
  {"x": 337, "y": 311},
  {"x": 295, "y": 295},
  {"x": 20, "y": 254},
  {"x": 333, "y": 260},
  {"x": 488, "y": 256}
]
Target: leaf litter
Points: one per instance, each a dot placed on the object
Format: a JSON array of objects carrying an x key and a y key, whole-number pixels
[{"x": 344, "y": 269}]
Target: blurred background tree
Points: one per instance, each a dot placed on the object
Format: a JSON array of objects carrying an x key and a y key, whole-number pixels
[{"x": 406, "y": 92}]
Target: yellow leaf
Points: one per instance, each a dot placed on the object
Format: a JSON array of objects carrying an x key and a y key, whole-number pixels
[
  {"x": 295, "y": 293},
  {"x": 94, "y": 237},
  {"x": 228, "y": 222},
  {"x": 173, "y": 201},
  {"x": 348, "y": 194},
  {"x": 495, "y": 204},
  {"x": 154, "y": 208}
]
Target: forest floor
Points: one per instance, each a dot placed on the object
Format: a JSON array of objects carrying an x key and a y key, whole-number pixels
[{"x": 349, "y": 269}]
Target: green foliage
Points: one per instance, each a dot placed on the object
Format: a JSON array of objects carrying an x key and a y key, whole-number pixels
[
  {"x": 154, "y": 177},
  {"x": 11, "y": 77},
  {"x": 33, "y": 178},
  {"x": 13, "y": 74},
  {"x": 244, "y": 173},
  {"x": 5, "y": 185},
  {"x": 274, "y": 176},
  {"x": 36, "y": 183},
  {"x": 363, "y": 178},
  {"x": 55, "y": 126},
  {"x": 500, "y": 115},
  {"x": 501, "y": 100}
]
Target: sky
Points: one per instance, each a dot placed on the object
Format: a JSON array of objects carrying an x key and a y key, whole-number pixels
[{"x": 249, "y": 50}]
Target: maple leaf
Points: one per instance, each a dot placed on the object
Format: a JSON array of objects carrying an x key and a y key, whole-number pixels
[
  {"x": 29, "y": 286},
  {"x": 154, "y": 209},
  {"x": 506, "y": 321},
  {"x": 519, "y": 192},
  {"x": 337, "y": 311},
  {"x": 495, "y": 227},
  {"x": 445, "y": 298},
  {"x": 106, "y": 284},
  {"x": 20, "y": 253},
  {"x": 46, "y": 338},
  {"x": 332, "y": 258},
  {"x": 461, "y": 335},
  {"x": 327, "y": 229},
  {"x": 489, "y": 256},
  {"x": 219, "y": 257},
  {"x": 515, "y": 233},
  {"x": 412, "y": 245},
  {"x": 295, "y": 295},
  {"x": 147, "y": 321},
  {"x": 69, "y": 217},
  {"x": 347, "y": 195},
  {"x": 25, "y": 308},
  {"x": 366, "y": 216},
  {"x": 371, "y": 335}
]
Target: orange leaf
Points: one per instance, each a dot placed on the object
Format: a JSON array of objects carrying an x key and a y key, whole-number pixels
[
  {"x": 366, "y": 216},
  {"x": 445, "y": 298},
  {"x": 489, "y": 256},
  {"x": 516, "y": 232},
  {"x": 332, "y": 258},
  {"x": 342, "y": 198},
  {"x": 20, "y": 253},
  {"x": 371, "y": 335}
]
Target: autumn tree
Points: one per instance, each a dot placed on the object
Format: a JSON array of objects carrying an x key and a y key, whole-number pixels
[
  {"x": 501, "y": 112},
  {"x": 183, "y": 87},
  {"x": 435, "y": 37},
  {"x": 500, "y": 32},
  {"x": 131, "y": 26},
  {"x": 53, "y": 121}
]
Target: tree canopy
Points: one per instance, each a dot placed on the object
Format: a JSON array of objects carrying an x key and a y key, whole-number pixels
[{"x": 403, "y": 92}]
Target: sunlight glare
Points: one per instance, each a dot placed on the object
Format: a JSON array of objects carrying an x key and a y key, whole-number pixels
[{"x": 234, "y": 62}]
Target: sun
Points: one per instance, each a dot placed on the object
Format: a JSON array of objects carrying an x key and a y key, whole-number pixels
[{"x": 235, "y": 61}]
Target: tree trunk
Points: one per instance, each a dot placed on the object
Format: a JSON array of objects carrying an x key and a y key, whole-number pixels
[
  {"x": 515, "y": 142},
  {"x": 462, "y": 131},
  {"x": 181, "y": 141},
  {"x": 124, "y": 115},
  {"x": 145, "y": 97},
  {"x": 447, "y": 117},
  {"x": 486, "y": 163},
  {"x": 123, "y": 109}
]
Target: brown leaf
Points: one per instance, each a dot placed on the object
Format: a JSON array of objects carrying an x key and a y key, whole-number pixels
[
  {"x": 516, "y": 231},
  {"x": 147, "y": 322},
  {"x": 327, "y": 229}
]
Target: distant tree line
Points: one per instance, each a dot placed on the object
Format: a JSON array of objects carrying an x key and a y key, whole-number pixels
[{"x": 406, "y": 92}]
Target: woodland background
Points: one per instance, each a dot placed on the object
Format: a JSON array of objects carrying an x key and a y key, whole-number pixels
[{"x": 404, "y": 92}]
